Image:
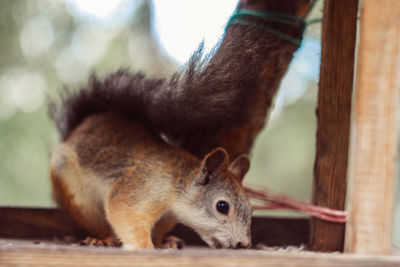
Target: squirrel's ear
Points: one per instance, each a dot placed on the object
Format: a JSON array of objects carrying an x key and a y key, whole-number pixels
[
  {"x": 213, "y": 163},
  {"x": 239, "y": 167}
]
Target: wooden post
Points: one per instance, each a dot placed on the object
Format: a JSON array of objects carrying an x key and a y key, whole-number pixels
[
  {"x": 372, "y": 162},
  {"x": 333, "y": 112}
]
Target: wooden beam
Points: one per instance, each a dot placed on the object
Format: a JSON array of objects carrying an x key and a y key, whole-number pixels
[
  {"x": 49, "y": 223},
  {"x": 43, "y": 255},
  {"x": 333, "y": 115},
  {"x": 37, "y": 223},
  {"x": 374, "y": 145}
]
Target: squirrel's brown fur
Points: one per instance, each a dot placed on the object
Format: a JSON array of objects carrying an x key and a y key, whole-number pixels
[{"x": 118, "y": 180}]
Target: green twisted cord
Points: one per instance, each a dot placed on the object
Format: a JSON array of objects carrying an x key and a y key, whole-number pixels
[
  {"x": 272, "y": 16},
  {"x": 239, "y": 18}
]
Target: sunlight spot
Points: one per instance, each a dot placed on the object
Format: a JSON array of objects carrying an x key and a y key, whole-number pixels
[
  {"x": 69, "y": 68},
  {"x": 89, "y": 44},
  {"x": 110, "y": 13},
  {"x": 181, "y": 25},
  {"x": 98, "y": 8},
  {"x": 36, "y": 36},
  {"x": 307, "y": 59},
  {"x": 28, "y": 90},
  {"x": 7, "y": 106}
]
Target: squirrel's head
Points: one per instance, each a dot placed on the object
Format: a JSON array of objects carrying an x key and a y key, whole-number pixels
[{"x": 215, "y": 204}]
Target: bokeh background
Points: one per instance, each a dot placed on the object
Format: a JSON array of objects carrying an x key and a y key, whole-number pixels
[{"x": 48, "y": 45}]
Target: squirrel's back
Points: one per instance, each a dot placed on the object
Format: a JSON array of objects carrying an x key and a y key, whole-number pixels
[
  {"x": 108, "y": 142},
  {"x": 106, "y": 147}
]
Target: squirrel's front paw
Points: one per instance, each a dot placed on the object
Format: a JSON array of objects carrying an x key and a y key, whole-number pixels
[
  {"x": 172, "y": 242},
  {"x": 94, "y": 242}
]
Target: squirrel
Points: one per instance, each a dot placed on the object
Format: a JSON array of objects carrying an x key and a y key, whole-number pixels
[
  {"x": 220, "y": 100},
  {"x": 121, "y": 182}
]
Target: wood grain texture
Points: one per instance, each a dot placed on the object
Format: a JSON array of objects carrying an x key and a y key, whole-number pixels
[
  {"x": 77, "y": 256},
  {"x": 29, "y": 223},
  {"x": 37, "y": 223},
  {"x": 333, "y": 115},
  {"x": 374, "y": 144}
]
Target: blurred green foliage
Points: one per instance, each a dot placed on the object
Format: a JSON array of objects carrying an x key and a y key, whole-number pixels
[{"x": 27, "y": 136}]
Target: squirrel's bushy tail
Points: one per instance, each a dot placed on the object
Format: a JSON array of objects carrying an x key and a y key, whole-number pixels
[
  {"x": 110, "y": 94},
  {"x": 199, "y": 100}
]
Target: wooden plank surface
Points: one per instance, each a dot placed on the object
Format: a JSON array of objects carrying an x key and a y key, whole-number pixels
[
  {"x": 333, "y": 115},
  {"x": 37, "y": 223},
  {"x": 374, "y": 144},
  {"x": 72, "y": 256},
  {"x": 51, "y": 223}
]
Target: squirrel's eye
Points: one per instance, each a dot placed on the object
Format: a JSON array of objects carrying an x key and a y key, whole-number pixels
[{"x": 223, "y": 207}]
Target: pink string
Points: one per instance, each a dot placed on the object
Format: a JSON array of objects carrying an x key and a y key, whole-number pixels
[{"x": 274, "y": 201}]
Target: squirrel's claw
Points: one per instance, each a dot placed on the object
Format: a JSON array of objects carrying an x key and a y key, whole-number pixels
[
  {"x": 94, "y": 242},
  {"x": 172, "y": 242}
]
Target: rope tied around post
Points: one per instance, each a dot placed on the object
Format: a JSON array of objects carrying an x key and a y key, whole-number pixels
[{"x": 239, "y": 18}]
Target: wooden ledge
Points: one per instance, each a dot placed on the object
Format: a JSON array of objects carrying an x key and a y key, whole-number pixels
[
  {"x": 66, "y": 255},
  {"x": 50, "y": 224}
]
